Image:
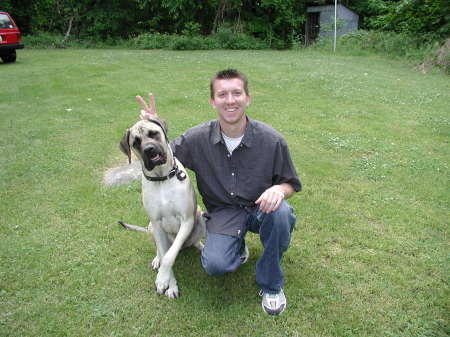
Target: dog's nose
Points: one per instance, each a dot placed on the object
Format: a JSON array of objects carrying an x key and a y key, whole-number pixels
[{"x": 150, "y": 149}]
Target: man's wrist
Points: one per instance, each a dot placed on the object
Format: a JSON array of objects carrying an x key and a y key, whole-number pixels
[
  {"x": 280, "y": 191},
  {"x": 287, "y": 190}
]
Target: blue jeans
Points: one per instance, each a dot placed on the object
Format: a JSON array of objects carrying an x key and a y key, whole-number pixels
[{"x": 221, "y": 253}]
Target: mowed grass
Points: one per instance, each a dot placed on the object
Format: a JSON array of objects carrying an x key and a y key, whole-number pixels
[{"x": 369, "y": 137}]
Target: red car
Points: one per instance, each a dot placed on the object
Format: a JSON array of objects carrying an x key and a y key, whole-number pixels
[{"x": 10, "y": 38}]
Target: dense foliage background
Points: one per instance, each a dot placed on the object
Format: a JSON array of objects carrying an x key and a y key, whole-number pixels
[{"x": 277, "y": 22}]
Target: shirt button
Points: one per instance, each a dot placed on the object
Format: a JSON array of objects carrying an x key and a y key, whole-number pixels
[
  {"x": 232, "y": 193},
  {"x": 232, "y": 174}
]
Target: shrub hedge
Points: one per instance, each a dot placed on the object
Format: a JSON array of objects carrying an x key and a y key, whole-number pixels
[
  {"x": 417, "y": 48},
  {"x": 223, "y": 39}
]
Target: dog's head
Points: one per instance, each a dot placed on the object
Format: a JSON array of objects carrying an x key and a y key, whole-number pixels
[{"x": 148, "y": 140}]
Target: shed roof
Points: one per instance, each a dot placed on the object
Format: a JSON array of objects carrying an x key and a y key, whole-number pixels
[{"x": 327, "y": 8}]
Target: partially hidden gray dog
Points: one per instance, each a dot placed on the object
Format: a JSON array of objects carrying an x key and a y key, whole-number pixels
[{"x": 168, "y": 197}]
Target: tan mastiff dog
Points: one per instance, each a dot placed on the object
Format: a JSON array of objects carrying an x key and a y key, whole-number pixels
[{"x": 168, "y": 197}]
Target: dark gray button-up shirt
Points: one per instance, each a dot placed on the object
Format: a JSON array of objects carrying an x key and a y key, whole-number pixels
[{"x": 230, "y": 183}]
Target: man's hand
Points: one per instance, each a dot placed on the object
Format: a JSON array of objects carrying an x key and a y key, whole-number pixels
[
  {"x": 271, "y": 198},
  {"x": 148, "y": 110}
]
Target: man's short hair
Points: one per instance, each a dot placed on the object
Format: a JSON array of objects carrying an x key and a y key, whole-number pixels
[{"x": 226, "y": 75}]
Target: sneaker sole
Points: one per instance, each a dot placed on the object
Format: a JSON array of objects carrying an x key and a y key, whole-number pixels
[{"x": 274, "y": 312}]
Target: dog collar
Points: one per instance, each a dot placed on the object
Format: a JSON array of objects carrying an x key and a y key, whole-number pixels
[{"x": 175, "y": 171}]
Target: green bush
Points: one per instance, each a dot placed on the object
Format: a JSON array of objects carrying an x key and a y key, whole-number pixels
[
  {"x": 391, "y": 43},
  {"x": 192, "y": 29},
  {"x": 152, "y": 41},
  {"x": 229, "y": 40},
  {"x": 182, "y": 42},
  {"x": 44, "y": 40},
  {"x": 421, "y": 49},
  {"x": 223, "y": 39},
  {"x": 404, "y": 45}
]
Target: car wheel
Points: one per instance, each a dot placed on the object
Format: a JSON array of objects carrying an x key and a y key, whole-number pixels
[{"x": 10, "y": 57}]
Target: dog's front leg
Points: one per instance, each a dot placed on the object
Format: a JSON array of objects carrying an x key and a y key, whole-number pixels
[
  {"x": 158, "y": 238},
  {"x": 165, "y": 277}
]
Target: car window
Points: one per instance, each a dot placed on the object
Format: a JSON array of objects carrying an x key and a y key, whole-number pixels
[{"x": 5, "y": 22}]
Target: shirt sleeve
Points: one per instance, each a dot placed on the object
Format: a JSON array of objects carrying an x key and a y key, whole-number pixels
[
  {"x": 284, "y": 169},
  {"x": 180, "y": 148}
]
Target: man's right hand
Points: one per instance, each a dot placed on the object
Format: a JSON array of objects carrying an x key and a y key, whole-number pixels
[{"x": 148, "y": 110}]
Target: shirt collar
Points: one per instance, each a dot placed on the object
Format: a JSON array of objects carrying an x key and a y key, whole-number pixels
[{"x": 216, "y": 135}]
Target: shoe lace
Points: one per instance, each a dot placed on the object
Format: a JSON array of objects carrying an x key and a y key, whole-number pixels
[{"x": 269, "y": 296}]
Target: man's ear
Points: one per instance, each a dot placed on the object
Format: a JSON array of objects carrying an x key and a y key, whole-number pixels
[
  {"x": 212, "y": 102},
  {"x": 125, "y": 145},
  {"x": 249, "y": 100}
]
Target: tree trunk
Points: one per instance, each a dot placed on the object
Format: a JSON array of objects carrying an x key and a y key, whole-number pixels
[
  {"x": 219, "y": 15},
  {"x": 66, "y": 36}
]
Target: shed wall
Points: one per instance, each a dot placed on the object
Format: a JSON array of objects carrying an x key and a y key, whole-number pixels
[{"x": 347, "y": 21}]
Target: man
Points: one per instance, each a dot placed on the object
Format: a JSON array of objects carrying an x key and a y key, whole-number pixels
[{"x": 244, "y": 172}]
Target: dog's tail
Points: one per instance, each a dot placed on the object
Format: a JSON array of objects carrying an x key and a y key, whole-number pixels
[{"x": 133, "y": 227}]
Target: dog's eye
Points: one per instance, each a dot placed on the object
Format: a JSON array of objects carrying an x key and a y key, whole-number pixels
[
  {"x": 152, "y": 134},
  {"x": 137, "y": 142}
]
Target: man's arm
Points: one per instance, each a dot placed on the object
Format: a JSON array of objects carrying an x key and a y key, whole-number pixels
[{"x": 271, "y": 198}]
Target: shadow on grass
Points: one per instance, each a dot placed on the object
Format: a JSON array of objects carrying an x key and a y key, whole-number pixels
[{"x": 217, "y": 293}]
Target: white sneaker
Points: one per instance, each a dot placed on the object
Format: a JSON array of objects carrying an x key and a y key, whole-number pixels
[{"x": 273, "y": 304}]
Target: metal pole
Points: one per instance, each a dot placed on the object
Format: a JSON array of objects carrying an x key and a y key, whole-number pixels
[{"x": 335, "y": 25}]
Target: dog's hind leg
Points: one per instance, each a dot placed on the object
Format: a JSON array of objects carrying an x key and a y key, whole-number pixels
[
  {"x": 199, "y": 245},
  {"x": 201, "y": 227}
]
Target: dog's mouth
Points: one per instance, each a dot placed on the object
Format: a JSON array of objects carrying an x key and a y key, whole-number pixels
[
  {"x": 156, "y": 158},
  {"x": 153, "y": 158}
]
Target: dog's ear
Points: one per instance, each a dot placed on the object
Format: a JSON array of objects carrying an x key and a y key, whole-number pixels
[
  {"x": 162, "y": 123},
  {"x": 125, "y": 145}
]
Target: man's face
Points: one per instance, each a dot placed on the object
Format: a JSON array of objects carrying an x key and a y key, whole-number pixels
[{"x": 230, "y": 100}]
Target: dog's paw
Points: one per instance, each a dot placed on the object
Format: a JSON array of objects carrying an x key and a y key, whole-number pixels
[
  {"x": 155, "y": 263},
  {"x": 160, "y": 288},
  {"x": 167, "y": 284},
  {"x": 199, "y": 245},
  {"x": 162, "y": 281},
  {"x": 172, "y": 292}
]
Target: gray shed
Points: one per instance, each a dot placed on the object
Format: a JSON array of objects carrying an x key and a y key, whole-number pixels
[{"x": 320, "y": 22}]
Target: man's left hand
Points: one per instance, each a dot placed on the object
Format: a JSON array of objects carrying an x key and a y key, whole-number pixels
[{"x": 271, "y": 199}]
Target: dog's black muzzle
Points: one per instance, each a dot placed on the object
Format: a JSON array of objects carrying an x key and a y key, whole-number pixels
[{"x": 153, "y": 155}]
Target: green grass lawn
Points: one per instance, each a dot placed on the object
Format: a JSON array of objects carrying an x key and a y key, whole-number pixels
[{"x": 369, "y": 137}]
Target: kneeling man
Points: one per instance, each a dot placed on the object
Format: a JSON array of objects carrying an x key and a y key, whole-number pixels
[{"x": 244, "y": 174}]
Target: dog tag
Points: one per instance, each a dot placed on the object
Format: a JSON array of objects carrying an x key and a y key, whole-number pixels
[{"x": 181, "y": 175}]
